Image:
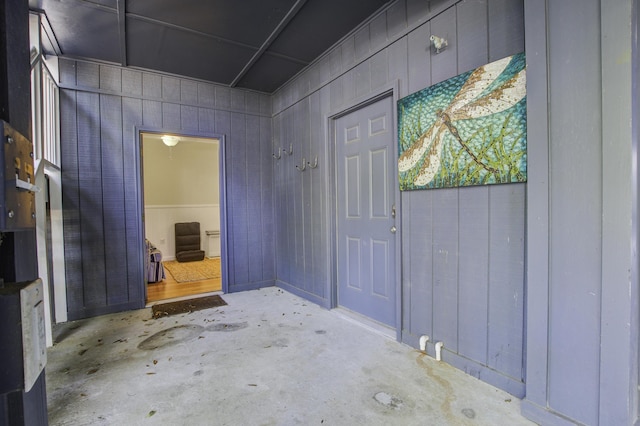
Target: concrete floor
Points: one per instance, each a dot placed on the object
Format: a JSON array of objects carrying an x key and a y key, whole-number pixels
[{"x": 268, "y": 358}]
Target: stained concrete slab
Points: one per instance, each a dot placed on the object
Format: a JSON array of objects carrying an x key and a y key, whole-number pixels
[{"x": 267, "y": 358}]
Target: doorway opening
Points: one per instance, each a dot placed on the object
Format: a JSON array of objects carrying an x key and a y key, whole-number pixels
[{"x": 181, "y": 184}]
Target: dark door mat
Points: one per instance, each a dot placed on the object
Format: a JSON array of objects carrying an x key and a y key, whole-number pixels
[{"x": 184, "y": 306}]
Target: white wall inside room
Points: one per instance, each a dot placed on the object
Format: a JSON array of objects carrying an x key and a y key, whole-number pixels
[{"x": 181, "y": 184}]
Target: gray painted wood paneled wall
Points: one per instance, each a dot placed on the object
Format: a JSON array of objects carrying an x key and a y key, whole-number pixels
[
  {"x": 582, "y": 299},
  {"x": 462, "y": 249},
  {"x": 101, "y": 108}
]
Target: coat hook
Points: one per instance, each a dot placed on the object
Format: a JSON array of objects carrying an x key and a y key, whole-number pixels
[
  {"x": 304, "y": 165},
  {"x": 279, "y": 155},
  {"x": 315, "y": 163},
  {"x": 290, "y": 152}
]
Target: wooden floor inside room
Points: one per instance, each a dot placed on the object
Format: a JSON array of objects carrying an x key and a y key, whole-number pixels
[{"x": 169, "y": 288}]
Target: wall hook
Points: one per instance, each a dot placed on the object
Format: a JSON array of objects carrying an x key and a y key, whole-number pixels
[
  {"x": 315, "y": 163},
  {"x": 290, "y": 152},
  {"x": 304, "y": 165},
  {"x": 279, "y": 155}
]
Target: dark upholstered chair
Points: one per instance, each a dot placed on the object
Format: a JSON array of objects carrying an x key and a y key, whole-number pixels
[{"x": 188, "y": 242}]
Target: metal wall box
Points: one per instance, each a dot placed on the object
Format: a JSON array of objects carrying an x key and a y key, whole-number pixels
[
  {"x": 24, "y": 353},
  {"x": 17, "y": 179}
]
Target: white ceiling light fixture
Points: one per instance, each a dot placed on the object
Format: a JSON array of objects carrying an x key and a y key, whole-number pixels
[{"x": 170, "y": 140}]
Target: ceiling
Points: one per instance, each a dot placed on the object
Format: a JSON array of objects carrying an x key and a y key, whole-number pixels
[{"x": 252, "y": 44}]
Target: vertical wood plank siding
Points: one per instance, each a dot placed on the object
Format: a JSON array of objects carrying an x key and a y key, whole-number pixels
[
  {"x": 579, "y": 297},
  {"x": 462, "y": 249},
  {"x": 101, "y": 107},
  {"x": 582, "y": 259}
]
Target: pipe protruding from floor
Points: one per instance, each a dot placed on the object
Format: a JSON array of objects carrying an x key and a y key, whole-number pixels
[
  {"x": 423, "y": 343},
  {"x": 439, "y": 346}
]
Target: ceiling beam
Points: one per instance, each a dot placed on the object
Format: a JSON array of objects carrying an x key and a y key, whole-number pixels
[
  {"x": 287, "y": 58},
  {"x": 121, "y": 7},
  {"x": 276, "y": 32},
  {"x": 92, "y": 4},
  {"x": 47, "y": 31}
]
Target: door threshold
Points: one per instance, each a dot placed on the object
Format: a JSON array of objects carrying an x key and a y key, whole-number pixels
[
  {"x": 366, "y": 322},
  {"x": 187, "y": 297}
]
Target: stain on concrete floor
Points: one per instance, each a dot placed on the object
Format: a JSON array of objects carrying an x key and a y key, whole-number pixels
[
  {"x": 250, "y": 364},
  {"x": 171, "y": 336}
]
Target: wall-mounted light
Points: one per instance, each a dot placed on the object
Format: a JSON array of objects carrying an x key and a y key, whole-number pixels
[
  {"x": 438, "y": 42},
  {"x": 170, "y": 140}
]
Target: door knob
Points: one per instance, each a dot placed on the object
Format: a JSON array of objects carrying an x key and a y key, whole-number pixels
[{"x": 393, "y": 229}]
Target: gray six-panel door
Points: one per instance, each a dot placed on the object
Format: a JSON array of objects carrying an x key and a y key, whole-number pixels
[{"x": 366, "y": 234}]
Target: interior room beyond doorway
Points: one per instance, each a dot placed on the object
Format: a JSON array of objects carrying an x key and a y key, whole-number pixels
[{"x": 181, "y": 184}]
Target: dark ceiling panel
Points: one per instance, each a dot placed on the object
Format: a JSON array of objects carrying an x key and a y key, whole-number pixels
[
  {"x": 84, "y": 29},
  {"x": 320, "y": 24},
  {"x": 244, "y": 21},
  {"x": 269, "y": 73},
  {"x": 171, "y": 50},
  {"x": 107, "y": 3},
  {"x": 213, "y": 40},
  {"x": 46, "y": 4}
]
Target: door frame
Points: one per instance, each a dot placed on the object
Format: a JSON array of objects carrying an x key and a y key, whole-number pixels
[
  {"x": 388, "y": 90},
  {"x": 222, "y": 181},
  {"x": 49, "y": 180},
  {"x": 635, "y": 207}
]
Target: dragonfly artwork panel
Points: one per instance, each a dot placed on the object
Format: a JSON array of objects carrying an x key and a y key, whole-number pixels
[{"x": 467, "y": 130}]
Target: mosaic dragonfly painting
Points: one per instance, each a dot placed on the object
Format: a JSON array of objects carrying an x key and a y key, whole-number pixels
[{"x": 468, "y": 130}]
